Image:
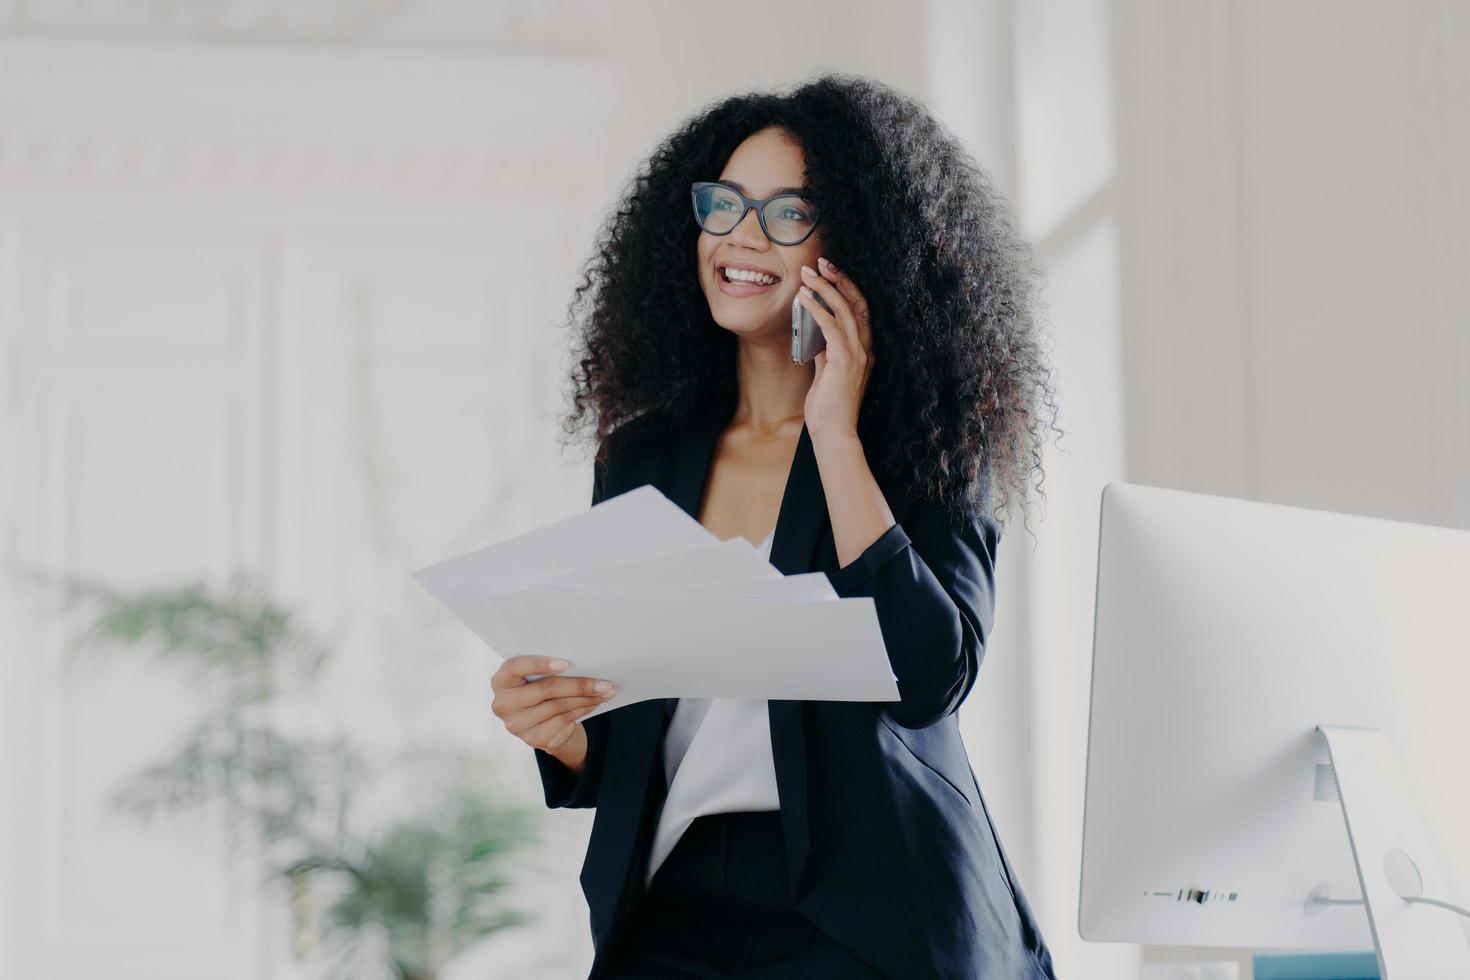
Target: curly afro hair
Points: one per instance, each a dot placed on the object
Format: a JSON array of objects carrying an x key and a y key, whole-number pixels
[{"x": 960, "y": 391}]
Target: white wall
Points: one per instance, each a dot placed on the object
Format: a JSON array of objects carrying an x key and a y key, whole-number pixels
[{"x": 1297, "y": 230}]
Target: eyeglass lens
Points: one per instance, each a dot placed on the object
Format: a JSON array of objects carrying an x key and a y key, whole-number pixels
[{"x": 788, "y": 218}]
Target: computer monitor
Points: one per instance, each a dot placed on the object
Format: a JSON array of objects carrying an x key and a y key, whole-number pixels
[{"x": 1226, "y": 632}]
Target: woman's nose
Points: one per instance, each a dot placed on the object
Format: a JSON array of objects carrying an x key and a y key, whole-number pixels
[{"x": 748, "y": 230}]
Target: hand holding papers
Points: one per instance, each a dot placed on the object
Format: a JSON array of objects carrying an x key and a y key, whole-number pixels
[{"x": 636, "y": 591}]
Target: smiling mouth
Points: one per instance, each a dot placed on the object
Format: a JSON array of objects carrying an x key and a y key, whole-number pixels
[
  {"x": 725, "y": 277},
  {"x": 739, "y": 289}
]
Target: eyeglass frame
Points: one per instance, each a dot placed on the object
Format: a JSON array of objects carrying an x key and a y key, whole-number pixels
[{"x": 746, "y": 204}]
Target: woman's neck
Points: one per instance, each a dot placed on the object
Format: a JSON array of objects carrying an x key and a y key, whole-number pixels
[{"x": 772, "y": 388}]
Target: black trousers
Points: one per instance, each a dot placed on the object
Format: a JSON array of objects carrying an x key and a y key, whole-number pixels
[{"x": 719, "y": 907}]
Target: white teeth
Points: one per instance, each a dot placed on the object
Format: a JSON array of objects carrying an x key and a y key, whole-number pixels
[{"x": 744, "y": 276}]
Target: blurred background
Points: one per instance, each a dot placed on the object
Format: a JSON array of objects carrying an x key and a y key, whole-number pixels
[{"x": 281, "y": 298}]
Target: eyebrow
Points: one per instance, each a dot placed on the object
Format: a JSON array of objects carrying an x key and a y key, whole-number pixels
[{"x": 780, "y": 190}]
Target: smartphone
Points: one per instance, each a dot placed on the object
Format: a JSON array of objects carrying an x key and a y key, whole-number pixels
[{"x": 807, "y": 340}]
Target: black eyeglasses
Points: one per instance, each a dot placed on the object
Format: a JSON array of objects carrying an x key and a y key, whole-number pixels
[{"x": 786, "y": 219}]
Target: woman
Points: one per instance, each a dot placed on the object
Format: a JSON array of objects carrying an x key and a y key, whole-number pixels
[{"x": 813, "y": 839}]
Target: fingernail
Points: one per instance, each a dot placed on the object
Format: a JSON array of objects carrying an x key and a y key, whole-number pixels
[
  {"x": 807, "y": 270},
  {"x": 603, "y": 685},
  {"x": 824, "y": 263},
  {"x": 558, "y": 665}
]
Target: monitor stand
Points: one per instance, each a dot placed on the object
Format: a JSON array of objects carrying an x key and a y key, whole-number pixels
[{"x": 1414, "y": 940}]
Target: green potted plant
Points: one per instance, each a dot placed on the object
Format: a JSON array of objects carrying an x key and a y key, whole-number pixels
[{"x": 395, "y": 897}]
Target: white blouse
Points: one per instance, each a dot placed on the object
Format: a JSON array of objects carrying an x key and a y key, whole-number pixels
[{"x": 717, "y": 759}]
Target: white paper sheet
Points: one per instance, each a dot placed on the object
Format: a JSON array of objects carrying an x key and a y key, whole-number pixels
[
  {"x": 732, "y": 561},
  {"x": 660, "y": 646},
  {"x": 636, "y": 591},
  {"x": 638, "y": 524}
]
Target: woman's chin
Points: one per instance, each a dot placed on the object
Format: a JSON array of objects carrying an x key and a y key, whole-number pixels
[{"x": 760, "y": 332}]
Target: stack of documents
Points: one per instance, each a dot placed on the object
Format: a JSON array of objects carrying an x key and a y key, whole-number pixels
[{"x": 637, "y": 592}]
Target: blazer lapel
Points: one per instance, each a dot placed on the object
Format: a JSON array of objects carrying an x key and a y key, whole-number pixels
[{"x": 799, "y": 525}]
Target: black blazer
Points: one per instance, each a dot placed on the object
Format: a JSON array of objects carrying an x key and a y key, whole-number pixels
[{"x": 889, "y": 843}]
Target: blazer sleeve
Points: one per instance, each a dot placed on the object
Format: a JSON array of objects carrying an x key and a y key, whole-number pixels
[
  {"x": 932, "y": 581},
  {"x": 562, "y": 786}
]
